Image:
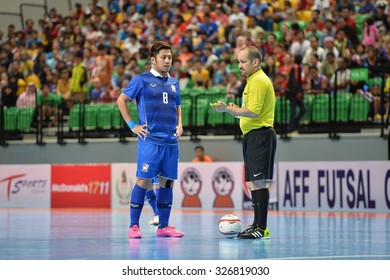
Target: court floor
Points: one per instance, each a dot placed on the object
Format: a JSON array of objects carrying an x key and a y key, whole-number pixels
[{"x": 94, "y": 234}]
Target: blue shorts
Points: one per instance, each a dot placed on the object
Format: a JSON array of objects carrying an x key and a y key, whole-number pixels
[{"x": 153, "y": 160}]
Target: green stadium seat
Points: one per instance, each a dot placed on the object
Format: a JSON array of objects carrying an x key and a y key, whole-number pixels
[
  {"x": 25, "y": 118},
  {"x": 375, "y": 81},
  {"x": 141, "y": 64},
  {"x": 213, "y": 90},
  {"x": 133, "y": 111},
  {"x": 320, "y": 109},
  {"x": 343, "y": 100},
  {"x": 215, "y": 118},
  {"x": 359, "y": 108},
  {"x": 116, "y": 117},
  {"x": 278, "y": 110},
  {"x": 279, "y": 35},
  {"x": 233, "y": 66},
  {"x": 90, "y": 116},
  {"x": 104, "y": 116},
  {"x": 74, "y": 116},
  {"x": 190, "y": 83},
  {"x": 280, "y": 24},
  {"x": 302, "y": 24},
  {"x": 186, "y": 107},
  {"x": 197, "y": 90},
  {"x": 200, "y": 109},
  {"x": 223, "y": 90},
  {"x": 185, "y": 90},
  {"x": 227, "y": 118},
  {"x": 10, "y": 118},
  {"x": 307, "y": 99}
]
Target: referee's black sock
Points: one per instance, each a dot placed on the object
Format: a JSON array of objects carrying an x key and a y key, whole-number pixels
[
  {"x": 260, "y": 199},
  {"x": 256, "y": 211}
]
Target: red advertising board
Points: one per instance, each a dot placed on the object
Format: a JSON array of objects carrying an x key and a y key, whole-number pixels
[{"x": 86, "y": 186}]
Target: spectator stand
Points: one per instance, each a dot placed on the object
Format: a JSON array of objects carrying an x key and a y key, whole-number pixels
[
  {"x": 327, "y": 112},
  {"x": 94, "y": 120},
  {"x": 350, "y": 112},
  {"x": 16, "y": 123}
]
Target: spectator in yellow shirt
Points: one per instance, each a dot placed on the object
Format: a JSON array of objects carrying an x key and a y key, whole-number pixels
[
  {"x": 79, "y": 79},
  {"x": 200, "y": 75},
  {"x": 33, "y": 78}
]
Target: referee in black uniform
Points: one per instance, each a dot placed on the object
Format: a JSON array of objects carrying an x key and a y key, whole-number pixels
[{"x": 259, "y": 144}]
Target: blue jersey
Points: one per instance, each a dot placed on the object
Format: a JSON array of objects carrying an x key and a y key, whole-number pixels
[{"x": 157, "y": 99}]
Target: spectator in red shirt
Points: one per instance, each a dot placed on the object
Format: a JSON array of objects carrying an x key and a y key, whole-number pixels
[
  {"x": 304, "y": 5},
  {"x": 345, "y": 13},
  {"x": 79, "y": 13},
  {"x": 315, "y": 16},
  {"x": 280, "y": 84}
]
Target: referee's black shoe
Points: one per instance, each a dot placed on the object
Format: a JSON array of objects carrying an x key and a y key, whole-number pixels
[
  {"x": 254, "y": 232},
  {"x": 248, "y": 229}
]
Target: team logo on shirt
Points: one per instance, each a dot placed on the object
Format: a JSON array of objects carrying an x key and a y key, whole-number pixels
[
  {"x": 145, "y": 167},
  {"x": 153, "y": 84},
  {"x": 173, "y": 88}
]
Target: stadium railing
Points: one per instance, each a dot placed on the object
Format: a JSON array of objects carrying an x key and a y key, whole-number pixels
[{"x": 326, "y": 113}]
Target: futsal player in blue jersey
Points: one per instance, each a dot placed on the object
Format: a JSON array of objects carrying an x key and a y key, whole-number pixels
[{"x": 159, "y": 126}]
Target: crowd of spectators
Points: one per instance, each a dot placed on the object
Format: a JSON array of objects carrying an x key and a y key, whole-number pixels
[{"x": 93, "y": 52}]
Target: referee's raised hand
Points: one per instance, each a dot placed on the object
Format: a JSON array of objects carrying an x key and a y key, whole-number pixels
[{"x": 219, "y": 106}]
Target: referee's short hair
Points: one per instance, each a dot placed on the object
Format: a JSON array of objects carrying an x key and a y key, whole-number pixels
[
  {"x": 158, "y": 46},
  {"x": 254, "y": 53}
]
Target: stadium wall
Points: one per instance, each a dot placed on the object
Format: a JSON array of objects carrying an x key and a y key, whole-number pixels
[{"x": 300, "y": 148}]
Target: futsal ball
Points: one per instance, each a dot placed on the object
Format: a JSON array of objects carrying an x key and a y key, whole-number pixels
[{"x": 229, "y": 225}]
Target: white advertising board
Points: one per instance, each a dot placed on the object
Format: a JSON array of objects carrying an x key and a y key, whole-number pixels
[
  {"x": 209, "y": 185},
  {"x": 25, "y": 186},
  {"x": 334, "y": 186},
  {"x": 122, "y": 182}
]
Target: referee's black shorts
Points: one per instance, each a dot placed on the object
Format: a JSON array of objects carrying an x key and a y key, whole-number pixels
[{"x": 259, "y": 146}]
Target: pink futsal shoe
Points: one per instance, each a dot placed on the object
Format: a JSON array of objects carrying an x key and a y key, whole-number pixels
[
  {"x": 169, "y": 231},
  {"x": 134, "y": 232}
]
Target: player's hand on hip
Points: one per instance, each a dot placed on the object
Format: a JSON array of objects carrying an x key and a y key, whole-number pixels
[
  {"x": 141, "y": 131},
  {"x": 179, "y": 131}
]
